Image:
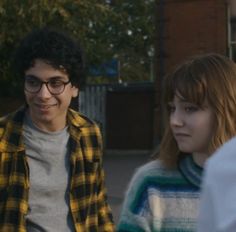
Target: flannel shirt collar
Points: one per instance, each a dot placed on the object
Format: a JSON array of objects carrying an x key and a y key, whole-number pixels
[
  {"x": 74, "y": 120},
  {"x": 11, "y": 128}
]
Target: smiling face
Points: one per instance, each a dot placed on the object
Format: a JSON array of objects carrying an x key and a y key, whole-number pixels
[
  {"x": 47, "y": 111},
  {"x": 192, "y": 127}
]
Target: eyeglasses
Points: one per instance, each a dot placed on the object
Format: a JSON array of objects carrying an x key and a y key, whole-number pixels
[{"x": 54, "y": 86}]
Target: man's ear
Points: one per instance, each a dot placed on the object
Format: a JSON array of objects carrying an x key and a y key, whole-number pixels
[{"x": 75, "y": 91}]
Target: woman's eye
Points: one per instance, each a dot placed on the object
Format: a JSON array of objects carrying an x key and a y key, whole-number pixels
[{"x": 191, "y": 108}]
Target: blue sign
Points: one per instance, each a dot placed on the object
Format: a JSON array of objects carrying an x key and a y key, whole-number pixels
[{"x": 107, "y": 69}]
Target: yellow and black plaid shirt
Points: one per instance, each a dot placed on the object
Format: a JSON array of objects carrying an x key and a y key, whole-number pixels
[{"x": 88, "y": 203}]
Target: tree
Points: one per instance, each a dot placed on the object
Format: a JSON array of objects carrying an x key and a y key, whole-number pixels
[
  {"x": 133, "y": 37},
  {"x": 121, "y": 29}
]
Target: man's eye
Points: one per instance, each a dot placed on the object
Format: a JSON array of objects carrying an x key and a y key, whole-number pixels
[
  {"x": 55, "y": 83},
  {"x": 32, "y": 82}
]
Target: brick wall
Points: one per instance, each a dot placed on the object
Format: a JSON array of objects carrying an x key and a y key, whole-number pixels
[
  {"x": 193, "y": 27},
  {"x": 186, "y": 28}
]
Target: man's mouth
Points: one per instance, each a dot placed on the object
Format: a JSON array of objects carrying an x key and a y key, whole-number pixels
[{"x": 44, "y": 107}]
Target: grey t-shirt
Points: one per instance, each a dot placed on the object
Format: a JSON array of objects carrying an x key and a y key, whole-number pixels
[{"x": 47, "y": 155}]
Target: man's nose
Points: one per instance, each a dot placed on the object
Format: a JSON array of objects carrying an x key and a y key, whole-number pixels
[{"x": 44, "y": 91}]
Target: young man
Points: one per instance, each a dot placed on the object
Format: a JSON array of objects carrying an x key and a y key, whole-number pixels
[{"x": 51, "y": 175}]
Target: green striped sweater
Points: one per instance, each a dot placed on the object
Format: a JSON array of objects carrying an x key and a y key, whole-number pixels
[{"x": 161, "y": 200}]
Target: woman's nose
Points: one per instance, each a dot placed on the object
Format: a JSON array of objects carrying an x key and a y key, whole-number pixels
[{"x": 176, "y": 118}]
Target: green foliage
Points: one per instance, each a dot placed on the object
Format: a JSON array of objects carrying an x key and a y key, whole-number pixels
[{"x": 122, "y": 29}]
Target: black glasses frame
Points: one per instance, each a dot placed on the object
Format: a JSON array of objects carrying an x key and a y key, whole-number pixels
[{"x": 46, "y": 83}]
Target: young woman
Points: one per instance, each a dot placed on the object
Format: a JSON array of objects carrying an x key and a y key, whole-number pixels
[{"x": 200, "y": 101}]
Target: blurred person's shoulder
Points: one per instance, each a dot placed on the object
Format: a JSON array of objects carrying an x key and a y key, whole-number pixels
[{"x": 222, "y": 162}]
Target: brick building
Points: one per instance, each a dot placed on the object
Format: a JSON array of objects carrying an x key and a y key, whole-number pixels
[{"x": 186, "y": 28}]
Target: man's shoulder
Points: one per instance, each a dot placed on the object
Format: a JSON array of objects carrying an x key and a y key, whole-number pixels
[
  {"x": 13, "y": 119},
  {"x": 83, "y": 126},
  {"x": 80, "y": 120},
  {"x": 5, "y": 120}
]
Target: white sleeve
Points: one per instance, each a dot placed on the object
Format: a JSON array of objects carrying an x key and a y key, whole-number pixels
[
  {"x": 206, "y": 215},
  {"x": 217, "y": 210}
]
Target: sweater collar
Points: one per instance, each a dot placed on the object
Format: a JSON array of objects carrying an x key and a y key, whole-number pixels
[{"x": 190, "y": 170}]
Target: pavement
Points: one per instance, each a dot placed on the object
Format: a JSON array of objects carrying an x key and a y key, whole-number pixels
[{"x": 119, "y": 169}]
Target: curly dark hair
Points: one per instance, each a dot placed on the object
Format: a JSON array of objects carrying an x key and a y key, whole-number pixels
[{"x": 53, "y": 47}]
